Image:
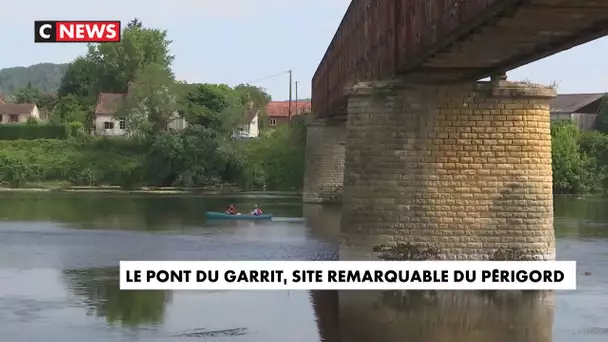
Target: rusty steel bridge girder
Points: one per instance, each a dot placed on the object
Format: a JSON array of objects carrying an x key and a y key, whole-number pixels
[{"x": 440, "y": 41}]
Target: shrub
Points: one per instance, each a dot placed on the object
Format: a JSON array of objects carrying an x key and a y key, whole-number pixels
[{"x": 31, "y": 131}]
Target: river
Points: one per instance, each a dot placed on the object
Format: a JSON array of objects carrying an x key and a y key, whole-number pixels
[{"x": 59, "y": 277}]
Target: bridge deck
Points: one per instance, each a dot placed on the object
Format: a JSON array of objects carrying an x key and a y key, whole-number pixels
[{"x": 443, "y": 41}]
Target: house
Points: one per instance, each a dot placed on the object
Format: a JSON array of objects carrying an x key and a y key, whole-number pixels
[
  {"x": 250, "y": 128},
  {"x": 581, "y": 109},
  {"x": 107, "y": 123},
  {"x": 18, "y": 112},
  {"x": 278, "y": 111}
]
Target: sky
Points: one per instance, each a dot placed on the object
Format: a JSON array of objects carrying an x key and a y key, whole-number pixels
[{"x": 246, "y": 41}]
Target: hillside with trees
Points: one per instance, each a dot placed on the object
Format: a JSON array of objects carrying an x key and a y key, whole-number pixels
[
  {"x": 44, "y": 76},
  {"x": 64, "y": 150}
]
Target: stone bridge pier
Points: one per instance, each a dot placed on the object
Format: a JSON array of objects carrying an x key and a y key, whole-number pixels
[
  {"x": 462, "y": 168},
  {"x": 324, "y": 166}
]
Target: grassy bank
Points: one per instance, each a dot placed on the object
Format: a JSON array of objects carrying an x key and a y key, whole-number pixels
[{"x": 193, "y": 160}]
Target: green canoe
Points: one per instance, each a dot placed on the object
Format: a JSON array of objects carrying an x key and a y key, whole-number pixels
[{"x": 213, "y": 215}]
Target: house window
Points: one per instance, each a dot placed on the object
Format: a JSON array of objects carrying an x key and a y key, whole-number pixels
[
  {"x": 122, "y": 124},
  {"x": 13, "y": 118},
  {"x": 273, "y": 122},
  {"x": 108, "y": 125}
]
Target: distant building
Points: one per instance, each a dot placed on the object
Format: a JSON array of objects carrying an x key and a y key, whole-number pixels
[
  {"x": 581, "y": 109},
  {"x": 107, "y": 123},
  {"x": 251, "y": 127},
  {"x": 278, "y": 112},
  {"x": 18, "y": 112}
]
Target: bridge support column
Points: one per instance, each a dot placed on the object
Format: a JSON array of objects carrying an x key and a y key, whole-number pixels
[
  {"x": 324, "y": 165},
  {"x": 465, "y": 169}
]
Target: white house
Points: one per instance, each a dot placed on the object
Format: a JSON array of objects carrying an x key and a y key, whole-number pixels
[
  {"x": 18, "y": 112},
  {"x": 251, "y": 127},
  {"x": 107, "y": 123}
]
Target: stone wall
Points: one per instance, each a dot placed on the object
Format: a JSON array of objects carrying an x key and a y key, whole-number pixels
[
  {"x": 324, "y": 167},
  {"x": 462, "y": 168}
]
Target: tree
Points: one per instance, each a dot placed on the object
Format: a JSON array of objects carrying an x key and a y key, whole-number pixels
[
  {"x": 79, "y": 79},
  {"x": 573, "y": 171},
  {"x": 214, "y": 106},
  {"x": 28, "y": 95},
  {"x": 110, "y": 67},
  {"x": 250, "y": 93},
  {"x": 256, "y": 96},
  {"x": 118, "y": 64},
  {"x": 70, "y": 109},
  {"x": 151, "y": 103}
]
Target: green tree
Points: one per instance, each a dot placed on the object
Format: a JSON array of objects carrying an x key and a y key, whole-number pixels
[
  {"x": 152, "y": 102},
  {"x": 250, "y": 93},
  {"x": 118, "y": 64},
  {"x": 193, "y": 157},
  {"x": 28, "y": 94},
  {"x": 595, "y": 145},
  {"x": 215, "y": 106},
  {"x": 258, "y": 97},
  {"x": 573, "y": 170},
  {"x": 71, "y": 109},
  {"x": 79, "y": 79}
]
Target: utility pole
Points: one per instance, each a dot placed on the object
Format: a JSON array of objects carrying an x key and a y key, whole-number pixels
[
  {"x": 296, "y": 97},
  {"x": 290, "y": 96}
]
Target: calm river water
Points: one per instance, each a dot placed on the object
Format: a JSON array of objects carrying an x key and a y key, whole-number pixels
[{"x": 59, "y": 277}]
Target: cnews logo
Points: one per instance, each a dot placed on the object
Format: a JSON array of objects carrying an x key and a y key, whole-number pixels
[{"x": 77, "y": 31}]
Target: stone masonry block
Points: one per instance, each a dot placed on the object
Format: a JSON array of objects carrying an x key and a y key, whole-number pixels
[
  {"x": 324, "y": 165},
  {"x": 463, "y": 168}
]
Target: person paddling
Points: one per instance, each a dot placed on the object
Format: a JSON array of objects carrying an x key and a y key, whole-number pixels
[
  {"x": 256, "y": 211},
  {"x": 231, "y": 210}
]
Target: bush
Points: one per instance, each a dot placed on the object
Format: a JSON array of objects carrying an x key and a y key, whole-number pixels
[
  {"x": 274, "y": 161},
  {"x": 195, "y": 157},
  {"x": 31, "y": 131},
  {"x": 81, "y": 162}
]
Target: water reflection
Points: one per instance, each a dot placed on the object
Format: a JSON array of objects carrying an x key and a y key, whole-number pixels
[
  {"x": 446, "y": 316},
  {"x": 325, "y": 304},
  {"x": 323, "y": 221},
  {"x": 100, "y": 289},
  {"x": 72, "y": 244},
  {"x": 134, "y": 212},
  {"x": 78, "y": 269}
]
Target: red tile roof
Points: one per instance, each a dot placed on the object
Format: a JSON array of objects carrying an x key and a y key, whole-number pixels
[
  {"x": 16, "y": 108},
  {"x": 108, "y": 103},
  {"x": 281, "y": 108}
]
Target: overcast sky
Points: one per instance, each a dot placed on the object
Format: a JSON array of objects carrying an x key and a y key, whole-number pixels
[{"x": 236, "y": 41}]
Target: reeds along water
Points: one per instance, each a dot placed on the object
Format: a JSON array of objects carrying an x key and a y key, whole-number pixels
[{"x": 446, "y": 316}]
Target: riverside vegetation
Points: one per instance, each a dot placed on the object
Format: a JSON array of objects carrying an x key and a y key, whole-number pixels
[
  {"x": 580, "y": 159},
  {"x": 61, "y": 150}
]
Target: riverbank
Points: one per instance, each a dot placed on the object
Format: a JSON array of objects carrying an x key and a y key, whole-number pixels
[{"x": 66, "y": 187}]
